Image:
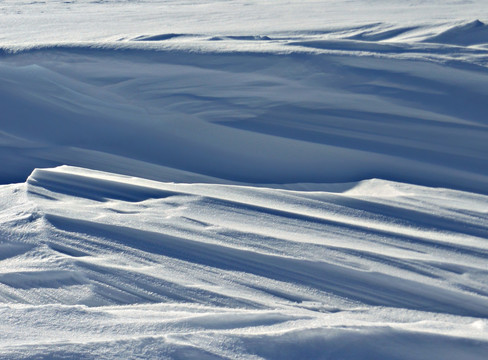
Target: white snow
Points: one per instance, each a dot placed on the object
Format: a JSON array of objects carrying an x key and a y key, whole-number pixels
[
  {"x": 244, "y": 179},
  {"x": 193, "y": 270}
]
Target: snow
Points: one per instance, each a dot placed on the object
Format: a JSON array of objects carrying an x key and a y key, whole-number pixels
[
  {"x": 471, "y": 33},
  {"x": 195, "y": 270},
  {"x": 244, "y": 179},
  {"x": 297, "y": 118}
]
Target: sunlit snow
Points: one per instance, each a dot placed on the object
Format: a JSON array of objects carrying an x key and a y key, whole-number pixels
[{"x": 244, "y": 179}]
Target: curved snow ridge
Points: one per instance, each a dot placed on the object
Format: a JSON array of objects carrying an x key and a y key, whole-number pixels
[
  {"x": 379, "y": 38},
  {"x": 318, "y": 242},
  {"x": 465, "y": 33},
  {"x": 238, "y": 265},
  {"x": 438, "y": 41},
  {"x": 471, "y": 33},
  {"x": 94, "y": 188},
  {"x": 93, "y": 185}
]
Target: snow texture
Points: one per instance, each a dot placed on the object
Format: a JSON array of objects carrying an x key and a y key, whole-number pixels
[{"x": 244, "y": 179}]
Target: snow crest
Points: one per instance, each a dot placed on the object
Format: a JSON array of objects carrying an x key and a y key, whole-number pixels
[
  {"x": 249, "y": 267},
  {"x": 244, "y": 179}
]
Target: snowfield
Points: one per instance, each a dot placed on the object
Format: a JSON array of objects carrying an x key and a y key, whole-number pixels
[{"x": 244, "y": 179}]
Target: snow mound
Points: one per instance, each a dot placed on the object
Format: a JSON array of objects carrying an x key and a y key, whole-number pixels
[
  {"x": 219, "y": 271},
  {"x": 244, "y": 117},
  {"x": 472, "y": 33}
]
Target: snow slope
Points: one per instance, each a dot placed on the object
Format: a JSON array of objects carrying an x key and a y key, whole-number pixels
[
  {"x": 148, "y": 269},
  {"x": 236, "y": 179},
  {"x": 301, "y": 117}
]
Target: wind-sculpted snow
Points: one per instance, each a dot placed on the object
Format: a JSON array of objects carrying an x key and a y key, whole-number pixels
[
  {"x": 92, "y": 259},
  {"x": 472, "y": 33},
  {"x": 236, "y": 179},
  {"x": 245, "y": 117},
  {"x": 31, "y": 23}
]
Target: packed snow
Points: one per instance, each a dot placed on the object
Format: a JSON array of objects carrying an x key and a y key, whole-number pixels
[{"x": 244, "y": 179}]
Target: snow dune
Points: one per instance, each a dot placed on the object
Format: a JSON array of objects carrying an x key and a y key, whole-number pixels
[
  {"x": 244, "y": 179},
  {"x": 472, "y": 33},
  {"x": 251, "y": 268},
  {"x": 245, "y": 117}
]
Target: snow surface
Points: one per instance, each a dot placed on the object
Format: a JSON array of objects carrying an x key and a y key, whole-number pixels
[
  {"x": 95, "y": 261},
  {"x": 244, "y": 179}
]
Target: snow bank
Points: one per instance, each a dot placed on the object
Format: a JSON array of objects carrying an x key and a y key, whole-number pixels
[
  {"x": 245, "y": 117},
  {"x": 97, "y": 262},
  {"x": 472, "y": 33}
]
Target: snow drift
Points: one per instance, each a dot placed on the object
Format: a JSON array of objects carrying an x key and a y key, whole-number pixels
[
  {"x": 264, "y": 271},
  {"x": 243, "y": 179},
  {"x": 277, "y": 119}
]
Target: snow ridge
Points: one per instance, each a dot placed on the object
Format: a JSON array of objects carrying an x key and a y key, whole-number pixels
[
  {"x": 198, "y": 254},
  {"x": 235, "y": 179}
]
